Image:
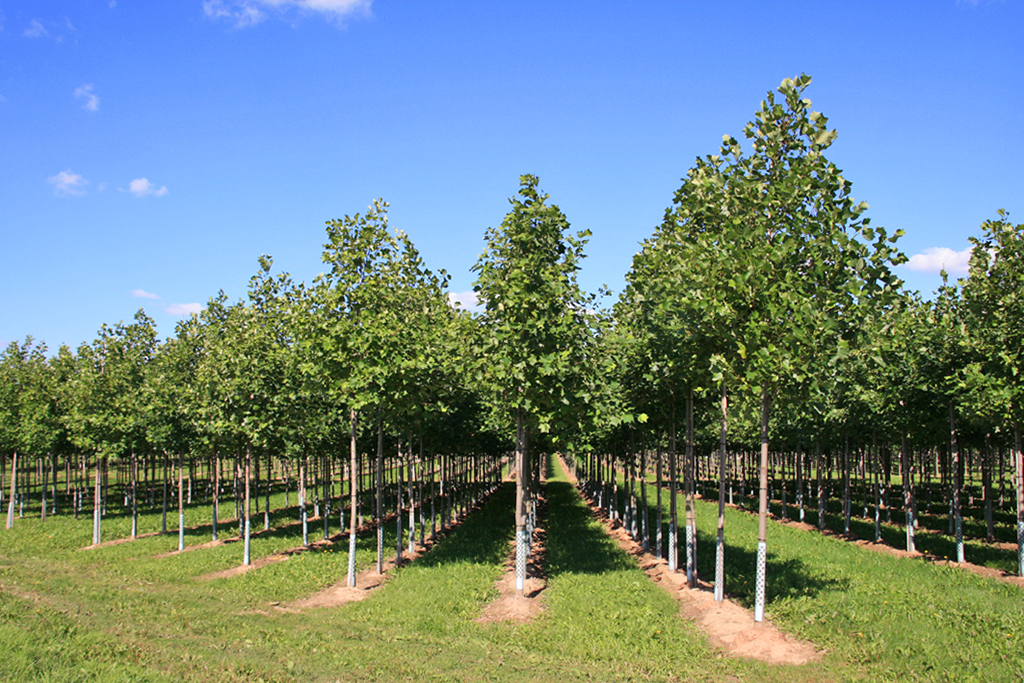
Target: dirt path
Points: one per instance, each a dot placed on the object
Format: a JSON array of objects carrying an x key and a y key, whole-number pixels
[
  {"x": 728, "y": 626},
  {"x": 367, "y": 581},
  {"x": 340, "y": 594},
  {"x": 119, "y": 541}
]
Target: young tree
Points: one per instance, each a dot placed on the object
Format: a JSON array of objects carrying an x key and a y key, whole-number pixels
[
  {"x": 536, "y": 331},
  {"x": 994, "y": 294}
]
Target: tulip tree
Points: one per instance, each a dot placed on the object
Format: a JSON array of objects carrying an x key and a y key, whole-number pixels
[
  {"x": 536, "y": 332},
  {"x": 994, "y": 294}
]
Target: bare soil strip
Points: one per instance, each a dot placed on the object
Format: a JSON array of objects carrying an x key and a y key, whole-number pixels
[
  {"x": 510, "y": 606},
  {"x": 340, "y": 594},
  {"x": 728, "y": 626},
  {"x": 367, "y": 581},
  {"x": 276, "y": 557},
  {"x": 119, "y": 541}
]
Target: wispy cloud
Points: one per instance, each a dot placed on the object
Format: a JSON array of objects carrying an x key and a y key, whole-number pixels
[
  {"x": 143, "y": 294},
  {"x": 141, "y": 187},
  {"x": 935, "y": 259},
  {"x": 184, "y": 309},
  {"x": 36, "y": 30},
  {"x": 68, "y": 184},
  {"x": 92, "y": 100},
  {"x": 467, "y": 300},
  {"x": 245, "y": 13}
]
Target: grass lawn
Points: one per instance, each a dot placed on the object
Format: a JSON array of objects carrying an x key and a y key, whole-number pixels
[{"x": 120, "y": 613}]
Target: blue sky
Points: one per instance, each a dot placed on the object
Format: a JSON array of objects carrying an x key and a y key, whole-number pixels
[{"x": 150, "y": 152}]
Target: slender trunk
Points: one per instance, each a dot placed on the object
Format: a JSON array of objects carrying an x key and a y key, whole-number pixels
[
  {"x": 800, "y": 482},
  {"x": 96, "y": 521},
  {"x": 216, "y": 492},
  {"x": 379, "y": 512},
  {"x": 954, "y": 452},
  {"x": 246, "y": 507},
  {"x": 14, "y": 483},
  {"x": 303, "y": 514},
  {"x": 135, "y": 491},
  {"x": 411, "y": 479},
  {"x": 181, "y": 503},
  {"x": 691, "y": 508},
  {"x": 163, "y": 521},
  {"x": 673, "y": 482},
  {"x": 908, "y": 491},
  {"x": 847, "y": 504},
  {"x": 986, "y": 484},
  {"x": 354, "y": 502},
  {"x": 762, "y": 513},
  {"x": 658, "y": 467},
  {"x": 720, "y": 539},
  {"x": 43, "y": 472},
  {"x": 1018, "y": 463},
  {"x": 521, "y": 474}
]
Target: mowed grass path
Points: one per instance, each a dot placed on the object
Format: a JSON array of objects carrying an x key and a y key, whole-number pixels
[{"x": 120, "y": 613}]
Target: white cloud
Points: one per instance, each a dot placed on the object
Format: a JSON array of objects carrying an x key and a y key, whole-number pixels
[
  {"x": 465, "y": 300},
  {"x": 140, "y": 187},
  {"x": 36, "y": 30},
  {"x": 68, "y": 184},
  {"x": 249, "y": 13},
  {"x": 935, "y": 259},
  {"x": 92, "y": 100},
  {"x": 143, "y": 294},
  {"x": 112, "y": 4},
  {"x": 184, "y": 309},
  {"x": 242, "y": 14}
]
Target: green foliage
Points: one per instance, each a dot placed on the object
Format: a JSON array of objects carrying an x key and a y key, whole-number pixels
[{"x": 537, "y": 338}]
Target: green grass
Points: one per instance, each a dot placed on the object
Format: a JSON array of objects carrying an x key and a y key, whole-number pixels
[
  {"x": 891, "y": 618},
  {"x": 121, "y": 613}
]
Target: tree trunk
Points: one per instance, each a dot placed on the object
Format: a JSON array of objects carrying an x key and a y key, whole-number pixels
[
  {"x": 690, "y": 504},
  {"x": 14, "y": 484},
  {"x": 906, "y": 467},
  {"x": 958, "y": 520},
  {"x": 659, "y": 542},
  {"x": 720, "y": 539},
  {"x": 673, "y": 491},
  {"x": 354, "y": 502},
  {"x": 135, "y": 494},
  {"x": 96, "y": 502},
  {"x": 303, "y": 515},
  {"x": 1018, "y": 462},
  {"x": 215, "y": 494},
  {"x": 762, "y": 513},
  {"x": 521, "y": 503},
  {"x": 181, "y": 503},
  {"x": 246, "y": 508},
  {"x": 379, "y": 511}
]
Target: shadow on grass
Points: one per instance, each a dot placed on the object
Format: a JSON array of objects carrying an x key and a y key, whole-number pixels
[
  {"x": 483, "y": 537},
  {"x": 575, "y": 542},
  {"x": 785, "y": 577}
]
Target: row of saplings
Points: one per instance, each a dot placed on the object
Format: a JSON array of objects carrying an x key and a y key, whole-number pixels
[
  {"x": 880, "y": 484},
  {"x": 420, "y": 494}
]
